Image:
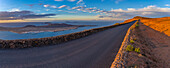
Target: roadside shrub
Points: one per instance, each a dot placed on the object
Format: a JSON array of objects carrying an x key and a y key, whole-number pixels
[
  {"x": 131, "y": 41},
  {"x": 133, "y": 66},
  {"x": 137, "y": 25},
  {"x": 129, "y": 48},
  {"x": 137, "y": 50}
]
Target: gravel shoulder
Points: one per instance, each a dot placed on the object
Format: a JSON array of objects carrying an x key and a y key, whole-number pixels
[{"x": 154, "y": 48}]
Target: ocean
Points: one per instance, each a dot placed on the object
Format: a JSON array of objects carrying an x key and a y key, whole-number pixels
[{"x": 6, "y": 35}]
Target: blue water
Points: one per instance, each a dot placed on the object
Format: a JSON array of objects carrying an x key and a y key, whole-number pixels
[{"x": 6, "y": 35}]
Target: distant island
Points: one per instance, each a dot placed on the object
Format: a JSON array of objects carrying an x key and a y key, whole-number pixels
[{"x": 45, "y": 28}]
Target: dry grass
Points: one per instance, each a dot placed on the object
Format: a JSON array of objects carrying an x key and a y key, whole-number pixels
[
  {"x": 132, "y": 41},
  {"x": 146, "y": 51},
  {"x": 149, "y": 50},
  {"x": 159, "y": 24}
]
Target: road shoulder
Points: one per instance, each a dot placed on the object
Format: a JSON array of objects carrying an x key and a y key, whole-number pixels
[{"x": 143, "y": 47}]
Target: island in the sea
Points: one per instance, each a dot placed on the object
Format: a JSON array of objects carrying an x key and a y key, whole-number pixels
[{"x": 45, "y": 28}]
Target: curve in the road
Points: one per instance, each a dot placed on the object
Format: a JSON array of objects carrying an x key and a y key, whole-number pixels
[{"x": 94, "y": 51}]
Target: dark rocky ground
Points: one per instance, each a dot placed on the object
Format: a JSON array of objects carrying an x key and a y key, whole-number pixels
[{"x": 154, "y": 48}]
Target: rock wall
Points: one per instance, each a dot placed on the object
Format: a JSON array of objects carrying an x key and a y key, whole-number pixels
[
  {"x": 120, "y": 59},
  {"x": 28, "y": 43}
]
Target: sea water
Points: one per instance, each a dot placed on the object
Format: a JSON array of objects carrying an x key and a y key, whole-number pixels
[{"x": 6, "y": 35}]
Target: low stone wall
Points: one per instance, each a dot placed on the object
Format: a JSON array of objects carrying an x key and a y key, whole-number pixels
[
  {"x": 120, "y": 59},
  {"x": 28, "y": 43}
]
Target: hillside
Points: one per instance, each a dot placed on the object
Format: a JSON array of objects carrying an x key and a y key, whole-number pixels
[
  {"x": 145, "y": 47},
  {"x": 160, "y": 24},
  {"x": 45, "y": 28}
]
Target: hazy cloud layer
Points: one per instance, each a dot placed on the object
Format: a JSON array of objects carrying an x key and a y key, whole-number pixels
[
  {"x": 167, "y": 4},
  {"x": 55, "y": 7},
  {"x": 149, "y": 11},
  {"x": 46, "y": 5},
  {"x": 16, "y": 15},
  {"x": 63, "y": 6}
]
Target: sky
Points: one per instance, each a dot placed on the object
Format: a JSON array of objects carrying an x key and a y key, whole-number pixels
[{"x": 52, "y": 10}]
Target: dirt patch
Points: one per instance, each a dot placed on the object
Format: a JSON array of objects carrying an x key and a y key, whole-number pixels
[
  {"x": 154, "y": 48},
  {"x": 143, "y": 47},
  {"x": 159, "y": 24}
]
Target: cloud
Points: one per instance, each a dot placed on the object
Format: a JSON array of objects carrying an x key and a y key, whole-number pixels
[
  {"x": 91, "y": 9},
  {"x": 58, "y": 0},
  {"x": 46, "y": 5},
  {"x": 167, "y": 4},
  {"x": 71, "y": 0},
  {"x": 14, "y": 9},
  {"x": 131, "y": 9},
  {"x": 53, "y": 6},
  {"x": 80, "y": 1},
  {"x": 79, "y": 7},
  {"x": 63, "y": 6},
  {"x": 103, "y": 16},
  {"x": 84, "y": 9},
  {"x": 149, "y": 11},
  {"x": 37, "y": 16},
  {"x": 20, "y": 15},
  {"x": 47, "y": 9}
]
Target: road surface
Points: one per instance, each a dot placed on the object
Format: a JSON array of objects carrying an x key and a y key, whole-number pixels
[{"x": 94, "y": 51}]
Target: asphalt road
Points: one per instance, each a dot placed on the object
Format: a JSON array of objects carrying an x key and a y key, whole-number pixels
[{"x": 94, "y": 51}]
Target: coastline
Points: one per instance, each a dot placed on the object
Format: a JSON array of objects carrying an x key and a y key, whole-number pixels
[
  {"x": 45, "y": 28},
  {"x": 38, "y": 42}
]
